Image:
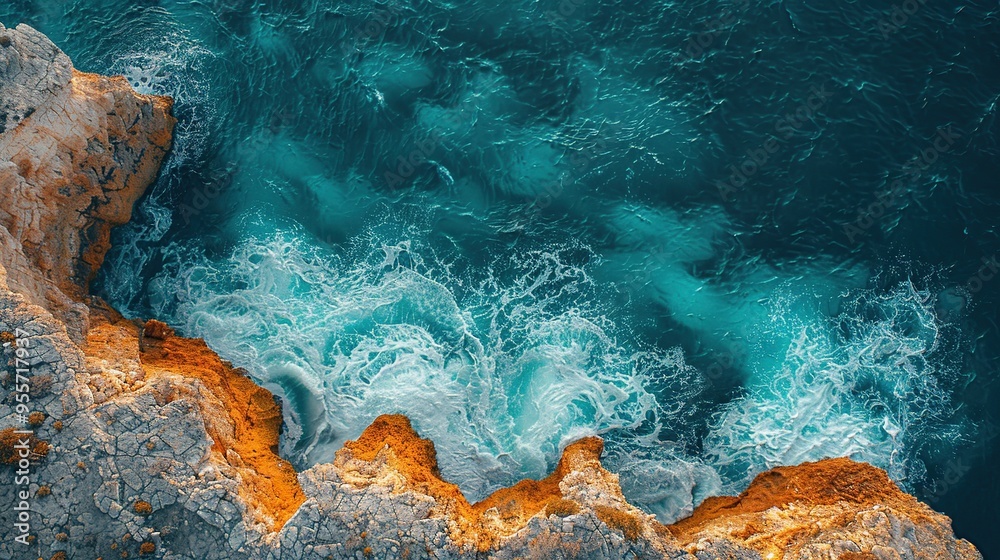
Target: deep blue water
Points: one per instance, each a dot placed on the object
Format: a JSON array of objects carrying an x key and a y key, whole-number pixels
[{"x": 723, "y": 235}]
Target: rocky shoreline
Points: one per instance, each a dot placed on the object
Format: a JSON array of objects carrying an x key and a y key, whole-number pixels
[{"x": 136, "y": 442}]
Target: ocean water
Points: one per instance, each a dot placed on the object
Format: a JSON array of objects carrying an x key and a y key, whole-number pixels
[{"x": 723, "y": 235}]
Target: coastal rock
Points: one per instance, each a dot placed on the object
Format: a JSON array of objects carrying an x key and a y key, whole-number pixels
[
  {"x": 76, "y": 152},
  {"x": 148, "y": 444},
  {"x": 833, "y": 508}
]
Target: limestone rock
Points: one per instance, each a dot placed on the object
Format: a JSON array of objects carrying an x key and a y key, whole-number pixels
[
  {"x": 832, "y": 508},
  {"x": 76, "y": 152}
]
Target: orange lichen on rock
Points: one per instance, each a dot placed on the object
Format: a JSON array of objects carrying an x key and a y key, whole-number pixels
[
  {"x": 111, "y": 338},
  {"x": 562, "y": 508},
  {"x": 157, "y": 329},
  {"x": 391, "y": 438},
  {"x": 826, "y": 482},
  {"x": 142, "y": 507},
  {"x": 786, "y": 508},
  {"x": 9, "y": 442},
  {"x": 269, "y": 484},
  {"x": 628, "y": 524}
]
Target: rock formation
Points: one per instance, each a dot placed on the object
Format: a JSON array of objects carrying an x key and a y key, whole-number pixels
[
  {"x": 76, "y": 151},
  {"x": 143, "y": 443}
]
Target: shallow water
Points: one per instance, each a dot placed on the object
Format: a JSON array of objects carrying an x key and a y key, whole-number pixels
[{"x": 722, "y": 235}]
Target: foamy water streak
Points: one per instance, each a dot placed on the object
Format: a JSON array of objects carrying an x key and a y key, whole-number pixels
[
  {"x": 863, "y": 384},
  {"x": 173, "y": 66}
]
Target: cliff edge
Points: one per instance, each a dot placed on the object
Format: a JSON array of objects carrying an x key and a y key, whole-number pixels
[
  {"x": 76, "y": 152},
  {"x": 123, "y": 439}
]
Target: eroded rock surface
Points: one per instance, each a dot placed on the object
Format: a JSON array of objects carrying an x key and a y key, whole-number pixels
[
  {"x": 833, "y": 508},
  {"x": 76, "y": 151},
  {"x": 148, "y": 444}
]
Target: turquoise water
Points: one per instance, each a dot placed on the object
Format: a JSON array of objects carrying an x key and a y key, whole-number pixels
[{"x": 722, "y": 235}]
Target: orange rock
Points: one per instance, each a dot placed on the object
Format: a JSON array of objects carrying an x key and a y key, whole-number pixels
[
  {"x": 70, "y": 171},
  {"x": 249, "y": 423},
  {"x": 826, "y": 482},
  {"x": 831, "y": 505},
  {"x": 481, "y": 524},
  {"x": 157, "y": 329}
]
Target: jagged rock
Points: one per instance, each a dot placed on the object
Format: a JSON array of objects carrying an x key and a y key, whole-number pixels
[
  {"x": 153, "y": 443},
  {"x": 76, "y": 151},
  {"x": 835, "y": 507}
]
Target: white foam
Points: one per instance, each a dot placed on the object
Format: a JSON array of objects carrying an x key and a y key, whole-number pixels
[
  {"x": 500, "y": 373},
  {"x": 862, "y": 385},
  {"x": 172, "y": 65}
]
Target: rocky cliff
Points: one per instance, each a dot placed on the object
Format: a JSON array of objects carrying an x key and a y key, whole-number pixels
[
  {"x": 76, "y": 151},
  {"x": 121, "y": 439}
]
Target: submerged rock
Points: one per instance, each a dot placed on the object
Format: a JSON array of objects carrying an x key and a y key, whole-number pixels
[{"x": 143, "y": 443}]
